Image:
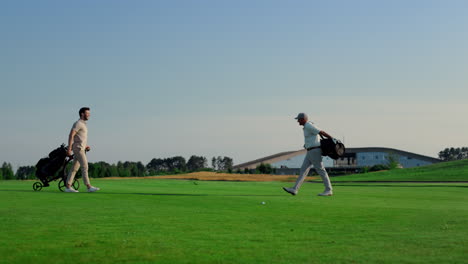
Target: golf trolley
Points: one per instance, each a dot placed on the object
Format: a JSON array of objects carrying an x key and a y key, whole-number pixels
[{"x": 52, "y": 168}]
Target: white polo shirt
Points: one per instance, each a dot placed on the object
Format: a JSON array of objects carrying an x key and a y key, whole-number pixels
[
  {"x": 311, "y": 135},
  {"x": 80, "y": 140}
]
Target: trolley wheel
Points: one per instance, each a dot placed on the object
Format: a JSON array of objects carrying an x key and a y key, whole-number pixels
[
  {"x": 61, "y": 185},
  {"x": 37, "y": 186},
  {"x": 76, "y": 184}
]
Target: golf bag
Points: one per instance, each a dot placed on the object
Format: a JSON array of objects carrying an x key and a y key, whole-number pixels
[
  {"x": 46, "y": 168},
  {"x": 332, "y": 147}
]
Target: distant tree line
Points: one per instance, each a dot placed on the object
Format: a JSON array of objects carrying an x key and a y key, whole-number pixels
[
  {"x": 6, "y": 172},
  {"x": 156, "y": 166},
  {"x": 178, "y": 164},
  {"x": 454, "y": 154},
  {"x": 222, "y": 163}
]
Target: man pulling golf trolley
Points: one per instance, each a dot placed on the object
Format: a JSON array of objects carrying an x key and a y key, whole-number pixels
[{"x": 59, "y": 159}]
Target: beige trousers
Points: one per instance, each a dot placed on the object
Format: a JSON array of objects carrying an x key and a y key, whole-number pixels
[
  {"x": 79, "y": 159},
  {"x": 313, "y": 158}
]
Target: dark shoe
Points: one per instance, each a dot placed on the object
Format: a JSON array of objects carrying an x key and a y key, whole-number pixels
[{"x": 290, "y": 191}]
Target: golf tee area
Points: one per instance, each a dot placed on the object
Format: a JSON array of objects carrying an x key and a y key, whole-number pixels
[{"x": 415, "y": 215}]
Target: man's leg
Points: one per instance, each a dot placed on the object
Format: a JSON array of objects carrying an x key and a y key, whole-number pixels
[
  {"x": 80, "y": 156},
  {"x": 306, "y": 164},
  {"x": 84, "y": 170},
  {"x": 72, "y": 173},
  {"x": 316, "y": 157}
]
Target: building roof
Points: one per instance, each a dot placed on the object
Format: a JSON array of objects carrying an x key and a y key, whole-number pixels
[
  {"x": 289, "y": 154},
  {"x": 270, "y": 159}
]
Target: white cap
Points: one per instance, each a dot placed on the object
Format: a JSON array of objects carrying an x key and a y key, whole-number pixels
[{"x": 301, "y": 115}]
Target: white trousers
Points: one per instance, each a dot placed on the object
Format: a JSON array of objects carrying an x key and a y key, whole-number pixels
[
  {"x": 79, "y": 160},
  {"x": 313, "y": 158}
]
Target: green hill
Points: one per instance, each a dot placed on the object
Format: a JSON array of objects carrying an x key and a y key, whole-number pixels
[{"x": 444, "y": 171}]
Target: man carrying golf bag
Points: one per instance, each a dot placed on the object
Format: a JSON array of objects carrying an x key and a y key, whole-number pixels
[{"x": 313, "y": 157}]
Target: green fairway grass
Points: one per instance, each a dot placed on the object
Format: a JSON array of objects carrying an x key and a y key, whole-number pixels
[
  {"x": 444, "y": 171},
  {"x": 180, "y": 221}
]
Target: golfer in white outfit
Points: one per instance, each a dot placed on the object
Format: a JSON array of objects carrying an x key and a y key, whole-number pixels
[
  {"x": 77, "y": 142},
  {"x": 313, "y": 156}
]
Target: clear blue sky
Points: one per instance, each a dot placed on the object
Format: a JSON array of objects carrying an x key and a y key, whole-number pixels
[{"x": 166, "y": 78}]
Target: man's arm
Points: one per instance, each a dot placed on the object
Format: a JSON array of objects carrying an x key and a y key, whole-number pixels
[
  {"x": 325, "y": 134},
  {"x": 70, "y": 141}
]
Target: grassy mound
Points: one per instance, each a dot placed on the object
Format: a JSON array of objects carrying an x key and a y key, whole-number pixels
[
  {"x": 444, "y": 171},
  {"x": 217, "y": 176}
]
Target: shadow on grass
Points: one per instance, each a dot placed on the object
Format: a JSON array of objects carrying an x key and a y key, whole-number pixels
[
  {"x": 185, "y": 194},
  {"x": 156, "y": 194},
  {"x": 398, "y": 185},
  {"x": 343, "y": 184}
]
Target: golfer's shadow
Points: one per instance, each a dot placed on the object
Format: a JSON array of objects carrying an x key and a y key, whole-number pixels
[
  {"x": 155, "y": 194},
  {"x": 201, "y": 194}
]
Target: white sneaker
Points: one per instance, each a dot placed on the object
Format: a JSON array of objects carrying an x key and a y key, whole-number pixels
[
  {"x": 70, "y": 190},
  {"x": 326, "y": 193},
  {"x": 93, "y": 189},
  {"x": 290, "y": 190}
]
